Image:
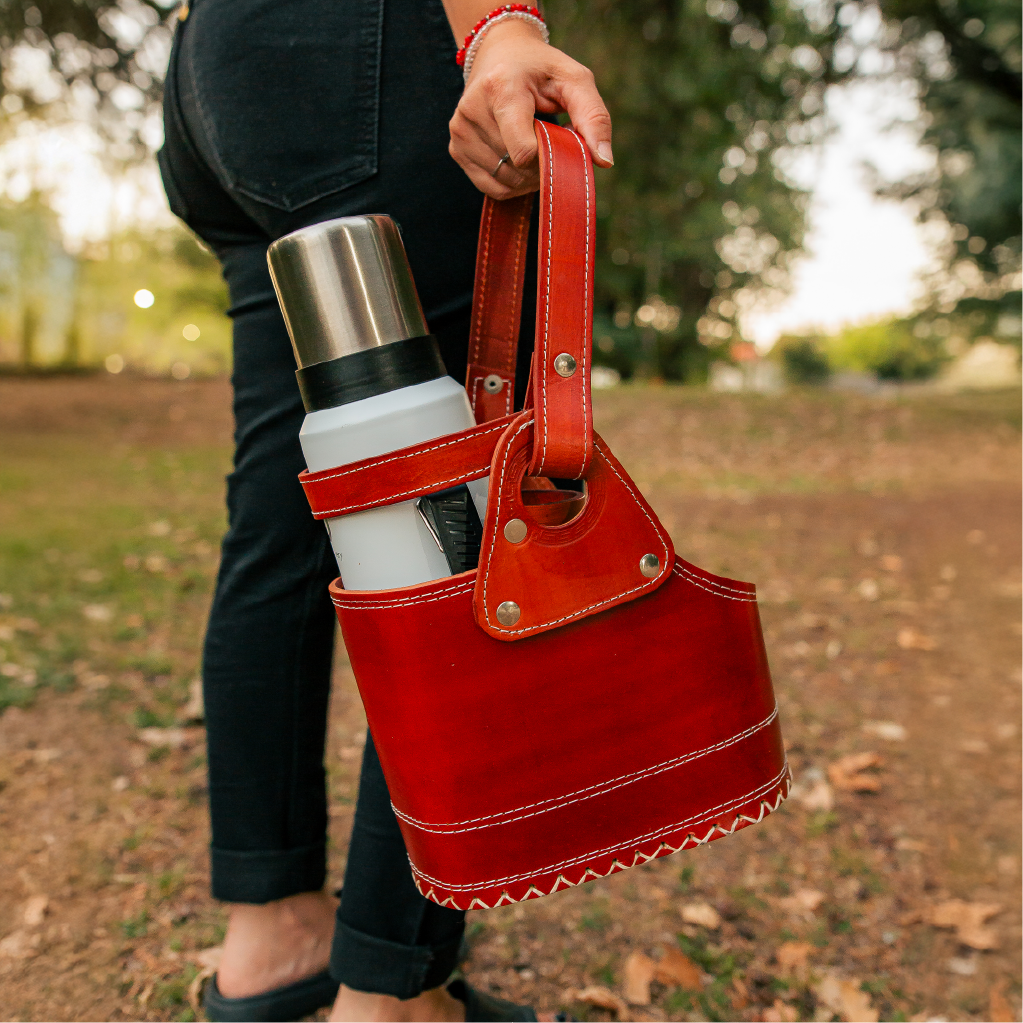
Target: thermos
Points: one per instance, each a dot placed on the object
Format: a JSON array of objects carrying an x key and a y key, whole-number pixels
[{"x": 372, "y": 381}]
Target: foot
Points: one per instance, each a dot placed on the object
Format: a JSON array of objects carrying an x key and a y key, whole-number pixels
[
  {"x": 434, "y": 1005},
  {"x": 275, "y": 944}
]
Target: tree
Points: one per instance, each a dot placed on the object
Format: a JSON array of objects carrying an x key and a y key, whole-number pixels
[
  {"x": 707, "y": 99},
  {"x": 964, "y": 56},
  {"x": 90, "y": 60}
]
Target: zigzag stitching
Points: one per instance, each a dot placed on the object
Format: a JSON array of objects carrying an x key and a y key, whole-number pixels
[
  {"x": 698, "y": 819},
  {"x": 589, "y": 792},
  {"x": 664, "y": 849}
]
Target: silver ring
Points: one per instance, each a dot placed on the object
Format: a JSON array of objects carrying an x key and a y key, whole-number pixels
[{"x": 500, "y": 163}]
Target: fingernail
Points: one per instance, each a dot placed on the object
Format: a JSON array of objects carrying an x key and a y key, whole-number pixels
[{"x": 604, "y": 152}]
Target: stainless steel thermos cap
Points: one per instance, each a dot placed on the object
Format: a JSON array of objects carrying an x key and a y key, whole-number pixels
[{"x": 345, "y": 286}]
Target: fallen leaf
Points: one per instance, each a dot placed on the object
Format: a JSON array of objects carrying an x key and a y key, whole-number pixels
[
  {"x": 964, "y": 966},
  {"x": 740, "y": 994},
  {"x": 847, "y": 773},
  {"x": 702, "y": 915},
  {"x": 639, "y": 972},
  {"x": 780, "y": 1013},
  {"x": 34, "y": 911},
  {"x": 845, "y": 998},
  {"x": 194, "y": 711},
  {"x": 802, "y": 901},
  {"x": 968, "y": 919},
  {"x": 602, "y": 998},
  {"x": 155, "y": 563},
  {"x": 677, "y": 970},
  {"x": 890, "y": 730},
  {"x": 909, "y": 639},
  {"x": 209, "y": 958},
  {"x": 97, "y": 612},
  {"x": 814, "y": 793},
  {"x": 999, "y": 1009},
  {"x": 19, "y": 945},
  {"x": 910, "y": 845},
  {"x": 792, "y": 958},
  {"x": 173, "y": 737}
]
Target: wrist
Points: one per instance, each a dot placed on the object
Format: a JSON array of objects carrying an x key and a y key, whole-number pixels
[{"x": 505, "y": 24}]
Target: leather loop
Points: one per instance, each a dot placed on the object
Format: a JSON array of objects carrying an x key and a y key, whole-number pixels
[
  {"x": 564, "y": 305},
  {"x": 562, "y": 573},
  {"x": 564, "y": 312},
  {"x": 497, "y": 306},
  {"x": 403, "y": 475}
]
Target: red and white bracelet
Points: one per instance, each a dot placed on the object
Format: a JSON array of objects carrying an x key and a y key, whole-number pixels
[{"x": 467, "y": 54}]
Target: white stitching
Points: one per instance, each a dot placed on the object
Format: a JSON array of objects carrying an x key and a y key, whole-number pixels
[
  {"x": 424, "y": 488},
  {"x": 638, "y": 858},
  {"x": 369, "y": 605},
  {"x": 698, "y": 583},
  {"x": 483, "y": 286},
  {"x": 586, "y": 299},
  {"x": 591, "y": 607},
  {"x": 477, "y": 431},
  {"x": 547, "y": 295},
  {"x": 590, "y": 792},
  {"x": 649, "y": 836},
  {"x": 747, "y": 591}
]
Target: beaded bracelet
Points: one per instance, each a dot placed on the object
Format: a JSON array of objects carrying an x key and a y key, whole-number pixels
[{"x": 467, "y": 54}]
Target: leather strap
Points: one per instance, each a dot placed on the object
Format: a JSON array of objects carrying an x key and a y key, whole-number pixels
[
  {"x": 405, "y": 474},
  {"x": 497, "y": 306},
  {"x": 564, "y": 312}
]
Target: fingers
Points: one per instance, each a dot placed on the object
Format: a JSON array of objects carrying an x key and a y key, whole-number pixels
[{"x": 577, "y": 94}]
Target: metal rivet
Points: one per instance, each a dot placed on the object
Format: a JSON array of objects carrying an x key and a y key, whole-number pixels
[
  {"x": 649, "y": 565},
  {"x": 515, "y": 531},
  {"x": 564, "y": 365},
  {"x": 508, "y": 612},
  {"x": 493, "y": 384}
]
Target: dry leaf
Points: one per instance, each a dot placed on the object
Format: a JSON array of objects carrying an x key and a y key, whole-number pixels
[
  {"x": 814, "y": 793},
  {"x": 845, "y": 998},
  {"x": 602, "y": 998},
  {"x": 740, "y": 994},
  {"x": 890, "y": 730},
  {"x": 193, "y": 712},
  {"x": 702, "y": 915},
  {"x": 209, "y": 958},
  {"x": 19, "y": 945},
  {"x": 792, "y": 956},
  {"x": 999, "y": 1009},
  {"x": 677, "y": 970},
  {"x": 910, "y": 639},
  {"x": 639, "y": 972},
  {"x": 780, "y": 1013},
  {"x": 847, "y": 773},
  {"x": 802, "y": 902},
  {"x": 173, "y": 737},
  {"x": 968, "y": 919},
  {"x": 34, "y": 911}
]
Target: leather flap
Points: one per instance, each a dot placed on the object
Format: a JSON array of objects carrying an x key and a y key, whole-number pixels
[{"x": 555, "y": 574}]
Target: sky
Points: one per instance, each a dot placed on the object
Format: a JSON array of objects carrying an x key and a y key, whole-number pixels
[{"x": 864, "y": 256}]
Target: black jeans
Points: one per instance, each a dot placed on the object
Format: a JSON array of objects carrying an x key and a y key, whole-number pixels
[{"x": 279, "y": 115}]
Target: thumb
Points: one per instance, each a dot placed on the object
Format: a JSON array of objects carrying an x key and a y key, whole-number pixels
[{"x": 579, "y": 98}]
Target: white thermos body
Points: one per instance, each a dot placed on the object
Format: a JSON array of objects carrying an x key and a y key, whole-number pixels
[{"x": 372, "y": 381}]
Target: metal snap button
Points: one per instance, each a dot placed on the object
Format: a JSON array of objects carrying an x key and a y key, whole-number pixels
[
  {"x": 564, "y": 365},
  {"x": 493, "y": 384},
  {"x": 649, "y": 565},
  {"x": 515, "y": 531},
  {"x": 508, "y": 612}
]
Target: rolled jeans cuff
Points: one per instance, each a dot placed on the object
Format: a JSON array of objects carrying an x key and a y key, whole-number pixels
[
  {"x": 265, "y": 876},
  {"x": 382, "y": 967}
]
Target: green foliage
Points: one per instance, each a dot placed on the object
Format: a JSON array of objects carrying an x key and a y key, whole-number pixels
[
  {"x": 965, "y": 58},
  {"x": 803, "y": 358},
  {"x": 892, "y": 349},
  {"x": 704, "y": 99}
]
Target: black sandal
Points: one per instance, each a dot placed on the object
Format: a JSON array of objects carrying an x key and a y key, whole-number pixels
[
  {"x": 291, "y": 1002},
  {"x": 483, "y": 1008}
]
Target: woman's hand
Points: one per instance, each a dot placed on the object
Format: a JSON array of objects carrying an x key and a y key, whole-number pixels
[{"x": 514, "y": 75}]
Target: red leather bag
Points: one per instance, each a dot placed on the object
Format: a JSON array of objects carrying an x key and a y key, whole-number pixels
[{"x": 585, "y": 700}]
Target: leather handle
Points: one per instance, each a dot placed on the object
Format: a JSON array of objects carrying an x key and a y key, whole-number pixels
[{"x": 564, "y": 312}]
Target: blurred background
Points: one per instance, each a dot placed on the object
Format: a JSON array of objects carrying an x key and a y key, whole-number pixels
[
  {"x": 807, "y": 331},
  {"x": 835, "y": 186}
]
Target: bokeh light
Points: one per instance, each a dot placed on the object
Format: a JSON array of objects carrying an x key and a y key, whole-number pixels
[
  {"x": 190, "y": 332},
  {"x": 181, "y": 370},
  {"x": 114, "y": 363},
  {"x": 144, "y": 298}
]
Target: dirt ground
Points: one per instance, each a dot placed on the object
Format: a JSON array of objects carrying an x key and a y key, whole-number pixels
[{"x": 884, "y": 537}]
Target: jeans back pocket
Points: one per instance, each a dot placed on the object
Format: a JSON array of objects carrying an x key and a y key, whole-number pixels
[{"x": 288, "y": 93}]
